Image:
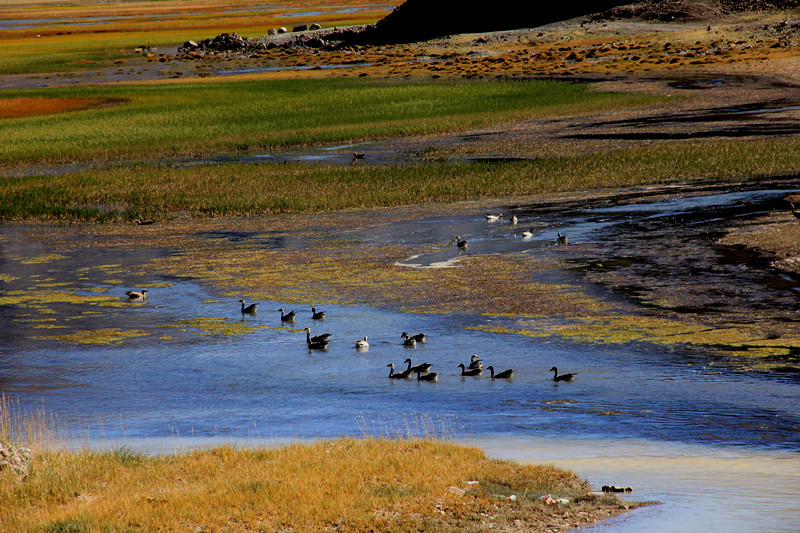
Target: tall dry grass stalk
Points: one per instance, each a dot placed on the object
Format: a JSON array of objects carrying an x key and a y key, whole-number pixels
[{"x": 38, "y": 429}]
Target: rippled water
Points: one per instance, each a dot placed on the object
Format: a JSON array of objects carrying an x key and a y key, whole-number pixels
[{"x": 179, "y": 382}]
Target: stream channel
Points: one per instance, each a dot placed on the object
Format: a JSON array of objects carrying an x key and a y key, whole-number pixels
[{"x": 716, "y": 445}]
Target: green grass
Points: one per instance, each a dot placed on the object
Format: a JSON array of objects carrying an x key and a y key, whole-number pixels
[
  {"x": 249, "y": 189},
  {"x": 245, "y": 116}
]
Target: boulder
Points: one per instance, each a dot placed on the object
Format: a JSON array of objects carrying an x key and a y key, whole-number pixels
[
  {"x": 303, "y": 27},
  {"x": 315, "y": 26},
  {"x": 16, "y": 458}
]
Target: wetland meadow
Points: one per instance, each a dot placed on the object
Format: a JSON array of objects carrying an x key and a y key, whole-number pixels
[{"x": 339, "y": 179}]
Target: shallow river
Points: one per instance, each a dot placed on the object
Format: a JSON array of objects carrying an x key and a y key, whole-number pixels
[{"x": 717, "y": 446}]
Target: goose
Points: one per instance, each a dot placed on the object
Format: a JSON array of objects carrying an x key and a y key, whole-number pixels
[
  {"x": 475, "y": 362},
  {"x": 513, "y": 220},
  {"x": 316, "y": 338},
  {"x": 795, "y": 211},
  {"x": 461, "y": 244},
  {"x": 411, "y": 341},
  {"x": 251, "y": 309},
  {"x": 133, "y": 295},
  {"x": 471, "y": 371},
  {"x": 317, "y": 316},
  {"x": 562, "y": 239},
  {"x": 288, "y": 317},
  {"x": 319, "y": 344},
  {"x": 145, "y": 222},
  {"x": 562, "y": 377},
  {"x": 419, "y": 337},
  {"x": 424, "y": 367},
  {"x": 362, "y": 344},
  {"x": 430, "y": 376},
  {"x": 398, "y": 375},
  {"x": 358, "y": 155},
  {"x": 505, "y": 374},
  {"x": 493, "y": 218},
  {"x": 527, "y": 234}
]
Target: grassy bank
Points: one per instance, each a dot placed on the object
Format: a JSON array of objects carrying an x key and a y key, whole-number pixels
[
  {"x": 343, "y": 485},
  {"x": 232, "y": 117},
  {"x": 367, "y": 484},
  {"x": 128, "y": 193}
]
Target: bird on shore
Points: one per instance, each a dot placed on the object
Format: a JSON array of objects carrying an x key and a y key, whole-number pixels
[
  {"x": 493, "y": 218},
  {"x": 471, "y": 371},
  {"x": 146, "y": 222},
  {"x": 319, "y": 344},
  {"x": 475, "y": 362},
  {"x": 795, "y": 211},
  {"x": 399, "y": 375},
  {"x": 316, "y": 338},
  {"x": 505, "y": 374},
  {"x": 562, "y": 239},
  {"x": 419, "y": 337},
  {"x": 362, "y": 344},
  {"x": 250, "y": 309},
  {"x": 513, "y": 220},
  {"x": 527, "y": 234},
  {"x": 133, "y": 295},
  {"x": 562, "y": 377},
  {"x": 460, "y": 244},
  {"x": 317, "y": 316},
  {"x": 430, "y": 376},
  {"x": 424, "y": 367},
  {"x": 288, "y": 317}
]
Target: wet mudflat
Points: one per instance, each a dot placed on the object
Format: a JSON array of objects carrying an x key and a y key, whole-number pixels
[{"x": 187, "y": 366}]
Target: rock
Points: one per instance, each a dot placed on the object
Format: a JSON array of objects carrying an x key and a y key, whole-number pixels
[
  {"x": 15, "y": 457},
  {"x": 315, "y": 26},
  {"x": 272, "y": 31},
  {"x": 282, "y": 30},
  {"x": 303, "y": 27}
]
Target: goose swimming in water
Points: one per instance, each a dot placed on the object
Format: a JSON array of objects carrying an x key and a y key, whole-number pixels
[
  {"x": 250, "y": 309},
  {"x": 419, "y": 337},
  {"x": 513, "y": 220},
  {"x": 562, "y": 377},
  {"x": 399, "y": 375},
  {"x": 493, "y": 218},
  {"x": 410, "y": 342},
  {"x": 527, "y": 234},
  {"x": 362, "y": 344},
  {"x": 430, "y": 376},
  {"x": 424, "y": 367},
  {"x": 471, "y": 371},
  {"x": 475, "y": 362},
  {"x": 319, "y": 344},
  {"x": 288, "y": 317},
  {"x": 133, "y": 295},
  {"x": 505, "y": 374},
  {"x": 317, "y": 316},
  {"x": 316, "y": 338},
  {"x": 562, "y": 239}
]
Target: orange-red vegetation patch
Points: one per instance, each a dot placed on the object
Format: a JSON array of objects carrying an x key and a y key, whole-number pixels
[{"x": 26, "y": 107}]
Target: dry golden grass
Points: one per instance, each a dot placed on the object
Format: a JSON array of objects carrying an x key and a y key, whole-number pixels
[{"x": 343, "y": 485}]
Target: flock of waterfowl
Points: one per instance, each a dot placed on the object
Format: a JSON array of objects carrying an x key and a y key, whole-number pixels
[
  {"x": 422, "y": 371},
  {"x": 526, "y": 234}
]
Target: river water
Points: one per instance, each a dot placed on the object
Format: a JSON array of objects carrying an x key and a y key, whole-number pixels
[{"x": 716, "y": 445}]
